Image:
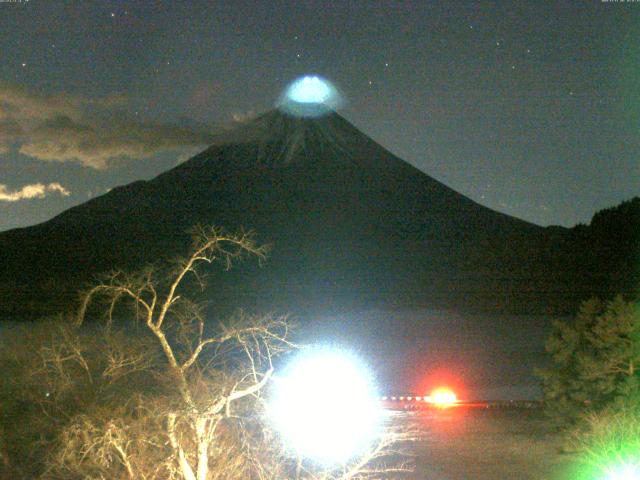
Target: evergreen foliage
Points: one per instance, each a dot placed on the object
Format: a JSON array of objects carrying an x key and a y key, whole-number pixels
[{"x": 595, "y": 360}]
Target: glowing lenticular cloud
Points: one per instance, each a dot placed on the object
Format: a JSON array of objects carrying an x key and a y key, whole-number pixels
[
  {"x": 310, "y": 96},
  {"x": 309, "y": 90}
]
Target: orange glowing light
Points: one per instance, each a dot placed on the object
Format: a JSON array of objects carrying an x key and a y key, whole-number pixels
[{"x": 443, "y": 397}]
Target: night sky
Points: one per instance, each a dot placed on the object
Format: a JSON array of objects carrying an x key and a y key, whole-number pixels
[{"x": 532, "y": 110}]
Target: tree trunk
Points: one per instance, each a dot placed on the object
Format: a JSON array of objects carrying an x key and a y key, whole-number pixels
[
  {"x": 185, "y": 468},
  {"x": 203, "y": 448}
]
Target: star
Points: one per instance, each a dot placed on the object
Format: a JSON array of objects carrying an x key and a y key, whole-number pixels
[
  {"x": 498, "y": 44},
  {"x": 113, "y": 14},
  {"x": 24, "y": 64},
  {"x": 528, "y": 50},
  {"x": 386, "y": 65},
  {"x": 298, "y": 55},
  {"x": 513, "y": 67}
]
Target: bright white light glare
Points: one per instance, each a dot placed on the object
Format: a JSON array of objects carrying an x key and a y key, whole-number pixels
[
  {"x": 627, "y": 472},
  {"x": 325, "y": 407},
  {"x": 310, "y": 96}
]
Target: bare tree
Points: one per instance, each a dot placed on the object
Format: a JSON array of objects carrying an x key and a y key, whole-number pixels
[
  {"x": 174, "y": 399},
  {"x": 214, "y": 374}
]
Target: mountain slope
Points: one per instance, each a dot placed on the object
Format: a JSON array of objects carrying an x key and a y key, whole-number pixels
[{"x": 350, "y": 225}]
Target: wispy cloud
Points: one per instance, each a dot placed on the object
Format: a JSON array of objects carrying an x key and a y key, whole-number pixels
[
  {"x": 241, "y": 117},
  {"x": 31, "y": 191},
  {"x": 90, "y": 131}
]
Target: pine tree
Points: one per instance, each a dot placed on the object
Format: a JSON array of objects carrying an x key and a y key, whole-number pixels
[{"x": 595, "y": 359}]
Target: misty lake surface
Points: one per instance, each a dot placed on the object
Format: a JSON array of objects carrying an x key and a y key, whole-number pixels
[
  {"x": 486, "y": 444},
  {"x": 482, "y": 356},
  {"x": 487, "y": 357}
]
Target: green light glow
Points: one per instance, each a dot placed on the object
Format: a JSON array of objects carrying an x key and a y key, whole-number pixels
[
  {"x": 625, "y": 472},
  {"x": 609, "y": 447}
]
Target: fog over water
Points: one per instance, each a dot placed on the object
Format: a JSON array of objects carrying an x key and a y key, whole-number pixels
[{"x": 483, "y": 356}]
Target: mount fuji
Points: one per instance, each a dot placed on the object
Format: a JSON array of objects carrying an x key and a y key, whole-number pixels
[{"x": 349, "y": 223}]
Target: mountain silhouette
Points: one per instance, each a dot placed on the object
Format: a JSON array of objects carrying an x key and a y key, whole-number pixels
[{"x": 349, "y": 223}]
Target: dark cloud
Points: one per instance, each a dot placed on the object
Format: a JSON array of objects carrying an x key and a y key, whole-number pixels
[{"x": 73, "y": 128}]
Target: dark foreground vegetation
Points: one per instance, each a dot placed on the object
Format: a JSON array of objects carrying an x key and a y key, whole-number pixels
[{"x": 161, "y": 395}]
